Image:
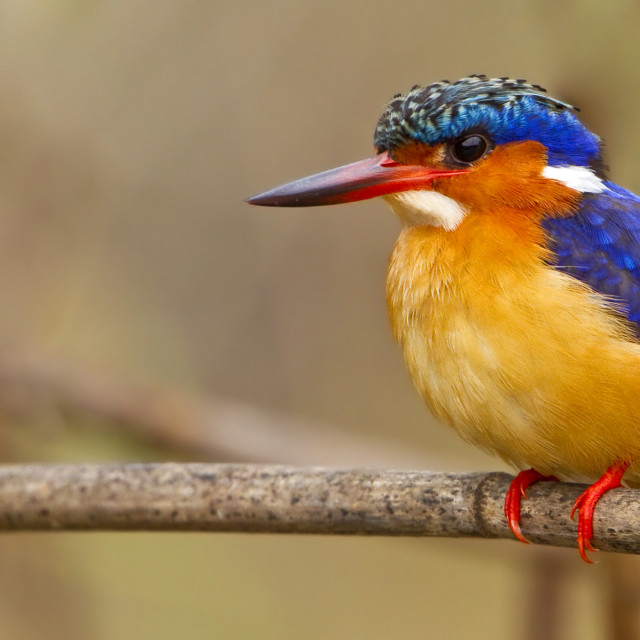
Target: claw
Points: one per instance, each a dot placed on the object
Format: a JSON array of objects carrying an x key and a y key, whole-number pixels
[
  {"x": 517, "y": 491},
  {"x": 586, "y": 503}
]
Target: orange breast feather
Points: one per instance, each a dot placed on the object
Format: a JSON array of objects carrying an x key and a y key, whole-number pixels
[{"x": 518, "y": 357}]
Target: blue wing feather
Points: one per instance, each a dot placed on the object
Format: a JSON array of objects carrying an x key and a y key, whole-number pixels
[{"x": 600, "y": 245}]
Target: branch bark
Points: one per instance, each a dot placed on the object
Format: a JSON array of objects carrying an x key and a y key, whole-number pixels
[{"x": 276, "y": 499}]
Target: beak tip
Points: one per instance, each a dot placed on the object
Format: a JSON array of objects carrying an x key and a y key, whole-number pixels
[
  {"x": 265, "y": 199},
  {"x": 253, "y": 200},
  {"x": 279, "y": 197}
]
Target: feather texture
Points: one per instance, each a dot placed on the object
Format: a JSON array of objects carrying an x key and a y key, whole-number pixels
[
  {"x": 509, "y": 110},
  {"x": 600, "y": 245}
]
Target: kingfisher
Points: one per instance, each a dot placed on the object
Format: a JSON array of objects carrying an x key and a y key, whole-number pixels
[{"x": 514, "y": 286}]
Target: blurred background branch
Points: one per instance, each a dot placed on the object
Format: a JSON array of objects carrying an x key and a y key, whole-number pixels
[{"x": 188, "y": 424}]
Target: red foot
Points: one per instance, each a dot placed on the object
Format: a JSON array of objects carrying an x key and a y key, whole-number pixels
[
  {"x": 517, "y": 490},
  {"x": 586, "y": 504}
]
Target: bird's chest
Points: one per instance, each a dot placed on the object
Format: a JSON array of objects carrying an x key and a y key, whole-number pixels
[
  {"x": 488, "y": 344},
  {"x": 460, "y": 366},
  {"x": 519, "y": 358}
]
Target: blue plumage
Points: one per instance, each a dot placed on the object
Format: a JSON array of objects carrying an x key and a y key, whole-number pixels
[
  {"x": 600, "y": 245},
  {"x": 507, "y": 110}
]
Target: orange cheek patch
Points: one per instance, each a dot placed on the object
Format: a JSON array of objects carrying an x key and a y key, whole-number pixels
[{"x": 510, "y": 178}]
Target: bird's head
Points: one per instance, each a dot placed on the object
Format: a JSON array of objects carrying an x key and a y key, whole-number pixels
[{"x": 454, "y": 149}]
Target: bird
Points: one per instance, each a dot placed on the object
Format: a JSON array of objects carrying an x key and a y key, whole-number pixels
[{"x": 514, "y": 285}]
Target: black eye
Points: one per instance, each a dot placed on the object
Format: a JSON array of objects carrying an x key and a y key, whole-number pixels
[{"x": 469, "y": 148}]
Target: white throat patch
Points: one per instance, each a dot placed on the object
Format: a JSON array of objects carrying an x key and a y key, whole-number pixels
[
  {"x": 580, "y": 179},
  {"x": 428, "y": 208}
]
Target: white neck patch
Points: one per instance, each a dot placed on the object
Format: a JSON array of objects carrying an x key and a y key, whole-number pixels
[
  {"x": 427, "y": 208},
  {"x": 578, "y": 178}
]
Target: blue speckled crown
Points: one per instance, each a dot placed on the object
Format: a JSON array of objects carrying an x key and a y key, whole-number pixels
[{"x": 508, "y": 110}]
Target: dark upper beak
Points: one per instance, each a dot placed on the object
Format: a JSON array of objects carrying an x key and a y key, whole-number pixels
[{"x": 361, "y": 180}]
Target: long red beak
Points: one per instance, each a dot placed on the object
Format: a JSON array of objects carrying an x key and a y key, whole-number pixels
[{"x": 361, "y": 180}]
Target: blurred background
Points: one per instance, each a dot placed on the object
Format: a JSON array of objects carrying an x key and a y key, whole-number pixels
[{"x": 141, "y": 295}]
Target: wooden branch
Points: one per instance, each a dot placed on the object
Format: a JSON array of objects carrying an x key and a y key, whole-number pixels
[{"x": 275, "y": 499}]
